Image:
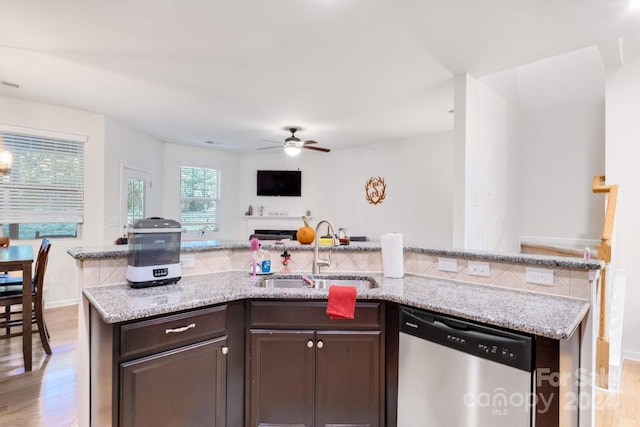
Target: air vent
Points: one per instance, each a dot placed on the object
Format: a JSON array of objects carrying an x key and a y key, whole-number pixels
[{"x": 10, "y": 84}]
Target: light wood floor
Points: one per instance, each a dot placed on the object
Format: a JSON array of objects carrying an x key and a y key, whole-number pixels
[
  {"x": 47, "y": 396},
  {"x": 621, "y": 409}
]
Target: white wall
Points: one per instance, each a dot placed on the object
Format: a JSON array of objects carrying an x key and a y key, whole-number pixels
[
  {"x": 176, "y": 155},
  {"x": 488, "y": 173},
  {"x": 418, "y": 174},
  {"x": 563, "y": 120},
  {"x": 622, "y": 154},
  {"x": 528, "y": 143},
  {"x": 62, "y": 287},
  {"x": 130, "y": 147},
  {"x": 459, "y": 211},
  {"x": 562, "y": 151}
]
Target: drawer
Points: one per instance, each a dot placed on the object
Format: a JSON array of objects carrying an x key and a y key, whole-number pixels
[
  {"x": 311, "y": 315},
  {"x": 176, "y": 330}
]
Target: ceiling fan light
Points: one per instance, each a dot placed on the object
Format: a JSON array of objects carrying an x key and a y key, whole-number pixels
[
  {"x": 292, "y": 150},
  {"x": 6, "y": 159}
]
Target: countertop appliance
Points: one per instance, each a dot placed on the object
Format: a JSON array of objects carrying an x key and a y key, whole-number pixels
[
  {"x": 456, "y": 373},
  {"x": 154, "y": 252}
]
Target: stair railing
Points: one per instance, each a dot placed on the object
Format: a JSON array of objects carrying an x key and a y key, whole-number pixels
[{"x": 604, "y": 253}]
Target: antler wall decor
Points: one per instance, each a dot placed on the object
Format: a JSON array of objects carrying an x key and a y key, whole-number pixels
[{"x": 375, "y": 190}]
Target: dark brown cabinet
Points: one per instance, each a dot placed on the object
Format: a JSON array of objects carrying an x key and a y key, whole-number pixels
[
  {"x": 282, "y": 378},
  {"x": 172, "y": 370},
  {"x": 322, "y": 373},
  {"x": 183, "y": 387},
  {"x": 183, "y": 369},
  {"x": 348, "y": 378}
]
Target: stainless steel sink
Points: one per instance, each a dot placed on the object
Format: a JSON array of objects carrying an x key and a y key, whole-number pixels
[
  {"x": 318, "y": 283},
  {"x": 363, "y": 283}
]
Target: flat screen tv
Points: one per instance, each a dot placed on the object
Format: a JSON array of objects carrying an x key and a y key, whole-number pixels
[{"x": 279, "y": 183}]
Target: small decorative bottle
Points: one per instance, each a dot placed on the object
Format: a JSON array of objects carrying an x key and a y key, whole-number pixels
[{"x": 286, "y": 257}]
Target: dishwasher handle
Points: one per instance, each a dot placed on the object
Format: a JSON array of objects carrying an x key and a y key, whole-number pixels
[{"x": 422, "y": 323}]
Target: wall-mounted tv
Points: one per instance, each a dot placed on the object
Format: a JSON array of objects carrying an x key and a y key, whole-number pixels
[{"x": 279, "y": 183}]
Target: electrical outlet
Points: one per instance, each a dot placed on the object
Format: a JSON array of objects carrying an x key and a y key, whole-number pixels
[
  {"x": 448, "y": 264},
  {"x": 187, "y": 261},
  {"x": 539, "y": 276},
  {"x": 479, "y": 269}
]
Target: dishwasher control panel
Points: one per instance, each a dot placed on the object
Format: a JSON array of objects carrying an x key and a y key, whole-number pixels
[{"x": 505, "y": 347}]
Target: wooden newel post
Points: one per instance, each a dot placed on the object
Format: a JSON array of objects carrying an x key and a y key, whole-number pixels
[{"x": 604, "y": 253}]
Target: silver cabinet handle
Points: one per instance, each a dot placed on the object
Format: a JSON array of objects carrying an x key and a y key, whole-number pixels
[
  {"x": 310, "y": 344},
  {"x": 225, "y": 350},
  {"x": 320, "y": 344},
  {"x": 179, "y": 330}
]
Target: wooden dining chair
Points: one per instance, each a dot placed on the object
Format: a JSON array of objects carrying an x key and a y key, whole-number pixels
[
  {"x": 11, "y": 295},
  {"x": 4, "y": 243}
]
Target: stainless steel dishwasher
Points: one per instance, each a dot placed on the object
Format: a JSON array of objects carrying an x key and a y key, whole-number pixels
[{"x": 455, "y": 373}]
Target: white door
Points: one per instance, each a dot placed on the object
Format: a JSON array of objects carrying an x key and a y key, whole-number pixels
[{"x": 135, "y": 195}]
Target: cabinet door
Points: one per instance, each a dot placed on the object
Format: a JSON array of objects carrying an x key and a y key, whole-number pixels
[
  {"x": 282, "y": 378},
  {"x": 348, "y": 376},
  {"x": 181, "y": 387}
]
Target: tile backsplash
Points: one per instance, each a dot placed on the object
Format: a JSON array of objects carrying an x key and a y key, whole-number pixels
[{"x": 570, "y": 282}]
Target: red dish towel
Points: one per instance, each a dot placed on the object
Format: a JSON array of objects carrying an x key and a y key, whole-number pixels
[{"x": 342, "y": 302}]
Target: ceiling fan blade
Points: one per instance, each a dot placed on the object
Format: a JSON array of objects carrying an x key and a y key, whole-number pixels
[
  {"x": 272, "y": 141},
  {"x": 295, "y": 141},
  {"x": 324, "y": 150}
]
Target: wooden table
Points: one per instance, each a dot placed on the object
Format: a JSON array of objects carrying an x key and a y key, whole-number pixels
[{"x": 16, "y": 258}]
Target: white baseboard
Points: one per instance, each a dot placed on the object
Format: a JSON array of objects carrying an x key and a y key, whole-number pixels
[
  {"x": 632, "y": 355},
  {"x": 61, "y": 303}
]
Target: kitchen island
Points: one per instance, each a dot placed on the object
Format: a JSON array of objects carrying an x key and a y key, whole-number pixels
[
  {"x": 543, "y": 315},
  {"x": 220, "y": 277}
]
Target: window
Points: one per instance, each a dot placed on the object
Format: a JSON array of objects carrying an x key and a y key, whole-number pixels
[
  {"x": 199, "y": 198},
  {"x": 135, "y": 199},
  {"x": 43, "y": 194},
  {"x": 135, "y": 195}
]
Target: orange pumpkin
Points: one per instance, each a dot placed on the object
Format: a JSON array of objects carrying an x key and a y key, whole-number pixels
[{"x": 305, "y": 234}]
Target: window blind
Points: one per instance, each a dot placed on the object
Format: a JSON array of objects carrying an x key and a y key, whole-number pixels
[{"x": 46, "y": 182}]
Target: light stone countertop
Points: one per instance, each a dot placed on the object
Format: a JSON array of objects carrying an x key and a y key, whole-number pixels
[
  {"x": 549, "y": 316},
  {"x": 114, "y": 251}
]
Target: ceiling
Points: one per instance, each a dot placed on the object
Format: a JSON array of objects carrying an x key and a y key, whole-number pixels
[{"x": 236, "y": 72}]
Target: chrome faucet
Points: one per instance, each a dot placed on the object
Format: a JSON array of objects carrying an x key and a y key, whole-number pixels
[
  {"x": 204, "y": 228},
  {"x": 317, "y": 261}
]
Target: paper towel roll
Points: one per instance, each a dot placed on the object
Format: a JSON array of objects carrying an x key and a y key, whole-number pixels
[{"x": 392, "y": 255}]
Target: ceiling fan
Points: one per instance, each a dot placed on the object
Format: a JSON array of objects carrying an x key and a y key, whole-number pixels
[{"x": 294, "y": 145}]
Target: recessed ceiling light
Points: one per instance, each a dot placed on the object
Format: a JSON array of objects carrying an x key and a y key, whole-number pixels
[{"x": 634, "y": 4}]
